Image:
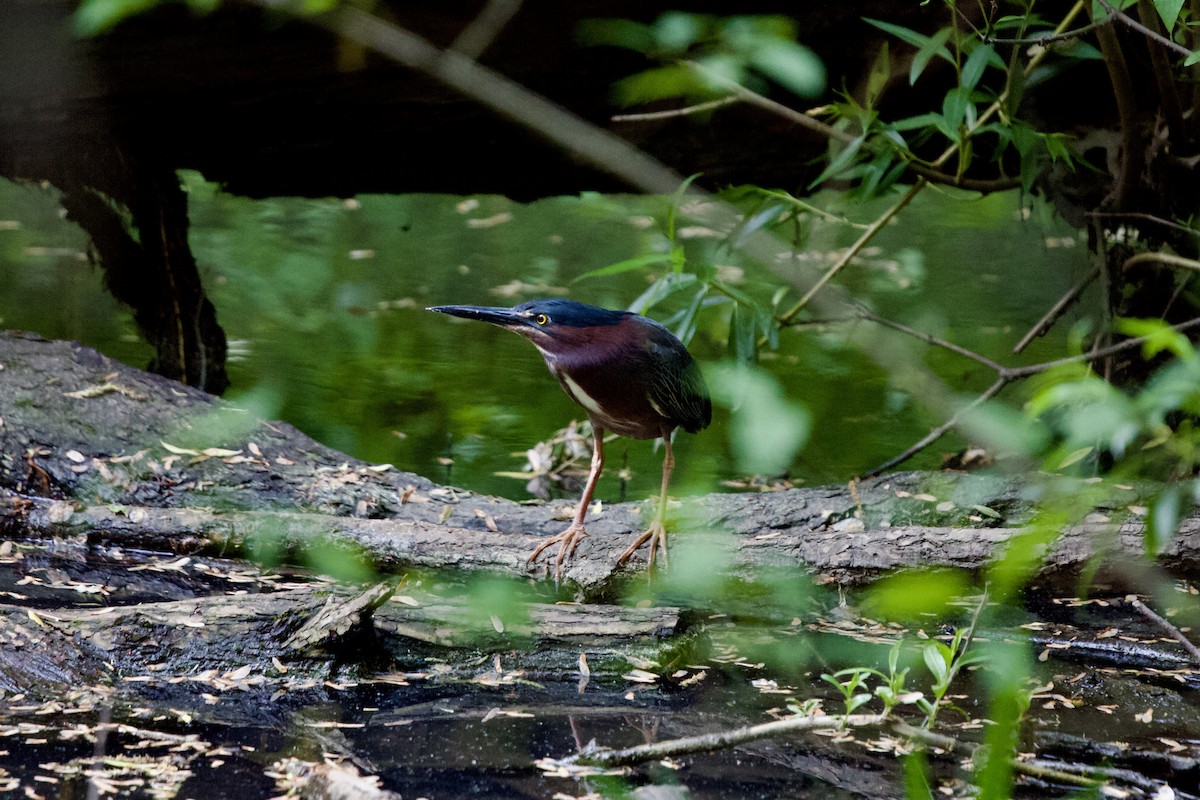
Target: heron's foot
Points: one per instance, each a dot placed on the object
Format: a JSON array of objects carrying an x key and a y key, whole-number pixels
[
  {"x": 567, "y": 542},
  {"x": 656, "y": 535}
]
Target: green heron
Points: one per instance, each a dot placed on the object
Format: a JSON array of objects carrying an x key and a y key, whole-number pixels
[{"x": 629, "y": 373}]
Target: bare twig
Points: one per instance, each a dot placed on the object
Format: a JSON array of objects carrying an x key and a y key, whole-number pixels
[
  {"x": 1070, "y": 772},
  {"x": 483, "y": 30},
  {"x": 504, "y": 96},
  {"x": 1163, "y": 623},
  {"x": 1154, "y": 36},
  {"x": 853, "y": 250},
  {"x": 1013, "y": 373},
  {"x": 714, "y": 741},
  {"x": 698, "y": 108},
  {"x": 1004, "y": 376},
  {"x": 939, "y": 431},
  {"x": 1160, "y": 63},
  {"x": 1049, "y": 38},
  {"x": 830, "y": 132},
  {"x": 1056, "y": 310},
  {"x": 1148, "y": 217},
  {"x": 1161, "y": 258},
  {"x": 952, "y": 745},
  {"x": 1128, "y": 113},
  {"x": 931, "y": 339}
]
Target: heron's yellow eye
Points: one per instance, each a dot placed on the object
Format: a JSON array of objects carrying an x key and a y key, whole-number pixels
[{"x": 541, "y": 319}]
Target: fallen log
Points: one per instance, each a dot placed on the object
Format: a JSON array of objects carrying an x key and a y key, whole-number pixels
[
  {"x": 141, "y": 460},
  {"x": 261, "y": 637},
  {"x": 747, "y": 553}
]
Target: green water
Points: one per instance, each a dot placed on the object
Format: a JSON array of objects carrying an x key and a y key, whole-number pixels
[{"x": 323, "y": 303}]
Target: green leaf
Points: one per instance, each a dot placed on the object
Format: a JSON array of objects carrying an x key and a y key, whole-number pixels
[
  {"x": 766, "y": 428},
  {"x": 314, "y": 7},
  {"x": 791, "y": 65},
  {"x": 878, "y": 77},
  {"x": 1159, "y": 336},
  {"x": 876, "y": 174},
  {"x": 976, "y": 63},
  {"x": 917, "y": 40},
  {"x": 672, "y": 80},
  {"x": 938, "y": 665},
  {"x": 954, "y": 108},
  {"x": 97, "y": 16},
  {"x": 1163, "y": 521},
  {"x": 676, "y": 31},
  {"x": 917, "y": 780},
  {"x": 825, "y": 676},
  {"x": 1076, "y": 456},
  {"x": 1192, "y": 59},
  {"x": 765, "y": 216},
  {"x": 1004, "y": 430},
  {"x": 628, "y": 265},
  {"x": 686, "y": 328},
  {"x": 743, "y": 336},
  {"x": 840, "y": 162},
  {"x": 335, "y": 559},
  {"x": 667, "y": 285},
  {"x": 856, "y": 701},
  {"x": 1015, "y": 91},
  {"x": 1023, "y": 554},
  {"x": 935, "y": 46},
  {"x": 912, "y": 594},
  {"x": 1168, "y": 10},
  {"x": 676, "y": 201},
  {"x": 929, "y": 120}
]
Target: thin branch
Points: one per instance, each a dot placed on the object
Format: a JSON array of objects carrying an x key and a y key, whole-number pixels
[
  {"x": 1154, "y": 36},
  {"x": 1056, "y": 310},
  {"x": 1064, "y": 771},
  {"x": 1013, "y": 373},
  {"x": 699, "y": 108},
  {"x": 1148, "y": 217},
  {"x": 952, "y": 745},
  {"x": 939, "y": 431},
  {"x": 754, "y": 98},
  {"x": 508, "y": 98},
  {"x": 483, "y": 30},
  {"x": 830, "y": 132},
  {"x": 1161, "y": 258},
  {"x": 1161, "y": 622},
  {"x": 1160, "y": 63},
  {"x": 809, "y": 208},
  {"x": 931, "y": 339},
  {"x": 1049, "y": 38},
  {"x": 1125, "y": 95},
  {"x": 653, "y": 751},
  {"x": 1004, "y": 376},
  {"x": 852, "y": 251}
]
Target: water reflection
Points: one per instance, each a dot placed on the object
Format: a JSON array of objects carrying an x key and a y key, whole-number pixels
[{"x": 323, "y": 302}]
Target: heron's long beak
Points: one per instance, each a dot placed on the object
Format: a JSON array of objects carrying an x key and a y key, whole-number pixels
[{"x": 497, "y": 315}]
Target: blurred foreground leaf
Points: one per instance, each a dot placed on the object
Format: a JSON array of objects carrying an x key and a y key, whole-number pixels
[{"x": 766, "y": 428}]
